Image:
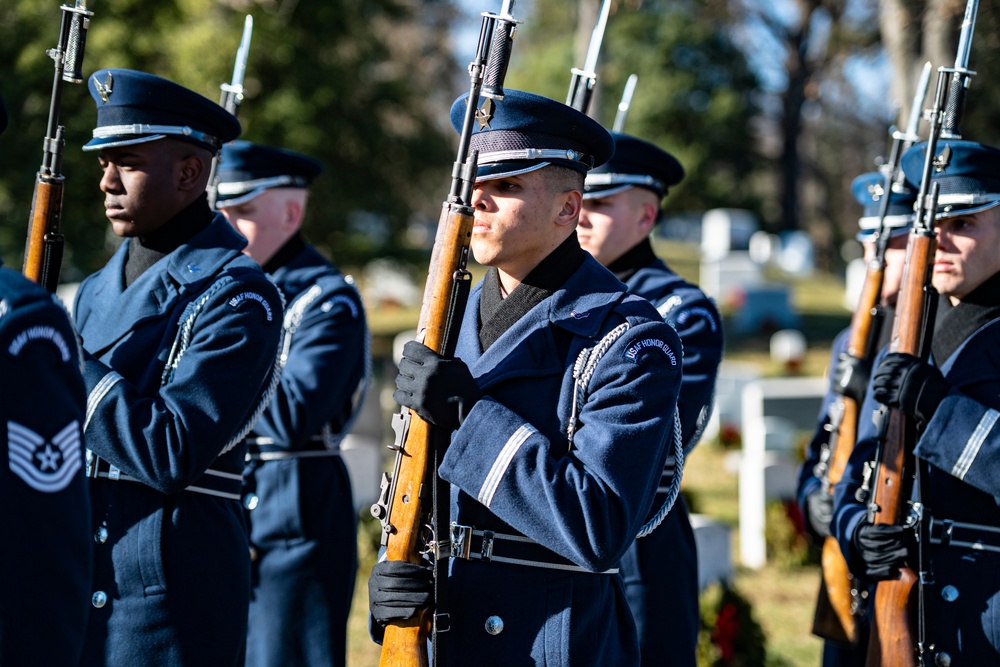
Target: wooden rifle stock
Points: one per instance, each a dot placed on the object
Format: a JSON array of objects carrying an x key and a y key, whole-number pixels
[
  {"x": 405, "y": 642},
  {"x": 893, "y": 641},
  {"x": 43, "y": 248},
  {"x": 835, "y": 618}
]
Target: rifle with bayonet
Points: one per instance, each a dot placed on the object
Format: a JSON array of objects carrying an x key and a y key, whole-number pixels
[
  {"x": 581, "y": 85},
  {"x": 43, "y": 249},
  {"x": 403, "y": 507},
  {"x": 897, "y": 632},
  {"x": 625, "y": 104},
  {"x": 232, "y": 97},
  {"x": 840, "y": 598}
]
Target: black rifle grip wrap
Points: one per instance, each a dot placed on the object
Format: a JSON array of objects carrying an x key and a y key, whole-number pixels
[
  {"x": 496, "y": 67},
  {"x": 75, "y": 46},
  {"x": 952, "y": 113}
]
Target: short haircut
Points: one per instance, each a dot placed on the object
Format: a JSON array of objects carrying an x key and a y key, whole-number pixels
[{"x": 563, "y": 179}]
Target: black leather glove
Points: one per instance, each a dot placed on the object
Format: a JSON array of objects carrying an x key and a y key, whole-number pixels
[
  {"x": 906, "y": 382},
  {"x": 440, "y": 390},
  {"x": 397, "y": 590},
  {"x": 819, "y": 512},
  {"x": 883, "y": 549},
  {"x": 850, "y": 377}
]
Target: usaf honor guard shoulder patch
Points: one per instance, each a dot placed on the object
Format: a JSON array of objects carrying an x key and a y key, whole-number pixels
[
  {"x": 644, "y": 345},
  {"x": 45, "y": 464},
  {"x": 252, "y": 297}
]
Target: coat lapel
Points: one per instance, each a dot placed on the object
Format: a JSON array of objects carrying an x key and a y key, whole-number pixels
[
  {"x": 528, "y": 349},
  {"x": 114, "y": 311}
]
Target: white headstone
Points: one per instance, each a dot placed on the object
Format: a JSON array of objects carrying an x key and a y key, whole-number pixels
[
  {"x": 856, "y": 271},
  {"x": 712, "y": 540},
  {"x": 724, "y": 230},
  {"x": 726, "y": 278}
]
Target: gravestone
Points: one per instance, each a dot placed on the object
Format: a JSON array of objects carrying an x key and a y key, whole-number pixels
[{"x": 776, "y": 412}]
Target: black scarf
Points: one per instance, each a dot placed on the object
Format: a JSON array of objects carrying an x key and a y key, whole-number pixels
[
  {"x": 145, "y": 252},
  {"x": 641, "y": 255},
  {"x": 497, "y": 315},
  {"x": 980, "y": 306},
  {"x": 285, "y": 254}
]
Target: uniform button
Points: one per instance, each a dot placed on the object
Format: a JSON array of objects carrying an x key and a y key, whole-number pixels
[
  {"x": 942, "y": 659},
  {"x": 250, "y": 501},
  {"x": 99, "y": 599},
  {"x": 253, "y": 554},
  {"x": 494, "y": 625},
  {"x": 101, "y": 535},
  {"x": 949, "y": 593}
]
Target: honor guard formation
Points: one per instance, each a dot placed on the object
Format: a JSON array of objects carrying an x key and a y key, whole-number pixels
[{"x": 176, "y": 489}]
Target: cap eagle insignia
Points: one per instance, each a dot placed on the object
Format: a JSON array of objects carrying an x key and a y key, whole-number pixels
[{"x": 104, "y": 90}]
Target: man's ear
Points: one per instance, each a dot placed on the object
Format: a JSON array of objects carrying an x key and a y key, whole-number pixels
[
  {"x": 192, "y": 173},
  {"x": 293, "y": 215},
  {"x": 572, "y": 203},
  {"x": 650, "y": 214}
]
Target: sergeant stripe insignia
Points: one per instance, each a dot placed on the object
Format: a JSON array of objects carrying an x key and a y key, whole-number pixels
[
  {"x": 40, "y": 333},
  {"x": 46, "y": 465},
  {"x": 252, "y": 296}
]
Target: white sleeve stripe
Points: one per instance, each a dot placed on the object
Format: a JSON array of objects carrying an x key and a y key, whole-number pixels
[
  {"x": 975, "y": 442},
  {"x": 502, "y": 462},
  {"x": 98, "y": 393}
]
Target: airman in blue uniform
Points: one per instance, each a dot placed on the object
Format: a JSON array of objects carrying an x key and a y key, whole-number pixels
[
  {"x": 303, "y": 523},
  {"x": 849, "y": 376},
  {"x": 953, "y": 399},
  {"x": 180, "y": 332},
  {"x": 45, "y": 565},
  {"x": 621, "y": 205},
  {"x": 561, "y": 397}
]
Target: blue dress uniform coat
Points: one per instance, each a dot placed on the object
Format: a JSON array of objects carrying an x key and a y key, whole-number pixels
[
  {"x": 961, "y": 483},
  {"x": 177, "y": 367},
  {"x": 45, "y": 563},
  {"x": 513, "y": 471},
  {"x": 303, "y": 531},
  {"x": 660, "y": 570}
]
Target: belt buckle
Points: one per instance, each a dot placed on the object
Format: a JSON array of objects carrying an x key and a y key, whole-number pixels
[
  {"x": 461, "y": 541},
  {"x": 91, "y": 467},
  {"x": 487, "y": 549}
]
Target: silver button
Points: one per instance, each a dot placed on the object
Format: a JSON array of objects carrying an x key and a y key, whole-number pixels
[
  {"x": 949, "y": 593},
  {"x": 942, "y": 659},
  {"x": 250, "y": 501},
  {"x": 101, "y": 535},
  {"x": 99, "y": 599},
  {"x": 494, "y": 625}
]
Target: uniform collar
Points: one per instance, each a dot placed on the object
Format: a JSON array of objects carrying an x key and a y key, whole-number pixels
[{"x": 639, "y": 256}]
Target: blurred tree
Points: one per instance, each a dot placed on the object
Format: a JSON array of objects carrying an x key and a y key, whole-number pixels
[
  {"x": 364, "y": 87},
  {"x": 696, "y": 96}
]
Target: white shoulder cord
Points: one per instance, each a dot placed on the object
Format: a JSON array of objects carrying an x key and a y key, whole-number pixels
[
  {"x": 293, "y": 318},
  {"x": 183, "y": 339},
  {"x": 583, "y": 371}
]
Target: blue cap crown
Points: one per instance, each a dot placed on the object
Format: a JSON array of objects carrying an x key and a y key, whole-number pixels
[
  {"x": 135, "y": 107},
  {"x": 968, "y": 174},
  {"x": 246, "y": 170},
  {"x": 529, "y": 131},
  {"x": 869, "y": 190},
  {"x": 636, "y": 163}
]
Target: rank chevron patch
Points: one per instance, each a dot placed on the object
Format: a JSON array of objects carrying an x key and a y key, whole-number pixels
[{"x": 46, "y": 465}]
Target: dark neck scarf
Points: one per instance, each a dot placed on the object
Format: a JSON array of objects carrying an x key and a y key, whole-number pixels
[
  {"x": 641, "y": 255},
  {"x": 145, "y": 252},
  {"x": 979, "y": 307},
  {"x": 285, "y": 254},
  {"x": 497, "y": 315}
]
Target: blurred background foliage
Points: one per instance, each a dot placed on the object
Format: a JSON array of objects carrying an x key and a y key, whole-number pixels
[{"x": 770, "y": 106}]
